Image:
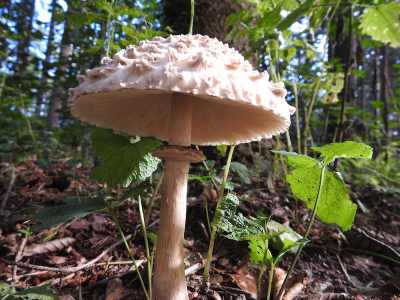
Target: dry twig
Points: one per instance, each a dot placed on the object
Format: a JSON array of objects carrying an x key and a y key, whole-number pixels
[
  {"x": 381, "y": 243},
  {"x": 65, "y": 270}
]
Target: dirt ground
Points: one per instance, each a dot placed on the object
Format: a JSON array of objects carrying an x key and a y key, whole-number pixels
[{"x": 362, "y": 263}]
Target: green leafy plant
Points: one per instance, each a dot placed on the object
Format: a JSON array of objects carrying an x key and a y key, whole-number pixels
[
  {"x": 9, "y": 292},
  {"x": 214, "y": 179},
  {"x": 382, "y": 23},
  {"x": 323, "y": 191},
  {"x": 258, "y": 234},
  {"x": 124, "y": 159},
  {"x": 261, "y": 255},
  {"x": 50, "y": 216}
]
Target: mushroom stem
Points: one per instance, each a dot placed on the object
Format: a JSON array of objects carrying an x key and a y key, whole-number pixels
[
  {"x": 169, "y": 276},
  {"x": 180, "y": 128}
]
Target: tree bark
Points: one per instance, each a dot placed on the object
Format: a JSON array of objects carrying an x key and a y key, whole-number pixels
[
  {"x": 46, "y": 63},
  {"x": 376, "y": 85},
  {"x": 209, "y": 19},
  {"x": 385, "y": 94},
  {"x": 24, "y": 26},
  {"x": 59, "y": 93}
]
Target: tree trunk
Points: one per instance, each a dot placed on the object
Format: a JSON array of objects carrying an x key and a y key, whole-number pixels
[
  {"x": 209, "y": 18},
  {"x": 342, "y": 46},
  {"x": 46, "y": 63},
  {"x": 59, "y": 93},
  {"x": 385, "y": 93},
  {"x": 24, "y": 25},
  {"x": 376, "y": 85}
]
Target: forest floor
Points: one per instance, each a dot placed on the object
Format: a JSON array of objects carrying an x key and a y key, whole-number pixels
[{"x": 361, "y": 264}]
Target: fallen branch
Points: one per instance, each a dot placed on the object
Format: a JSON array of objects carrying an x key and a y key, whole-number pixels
[
  {"x": 18, "y": 257},
  {"x": 66, "y": 270}
]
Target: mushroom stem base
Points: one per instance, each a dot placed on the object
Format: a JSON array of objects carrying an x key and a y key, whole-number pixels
[{"x": 169, "y": 276}]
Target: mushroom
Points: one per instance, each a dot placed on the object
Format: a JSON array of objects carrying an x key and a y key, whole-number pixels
[{"x": 185, "y": 90}]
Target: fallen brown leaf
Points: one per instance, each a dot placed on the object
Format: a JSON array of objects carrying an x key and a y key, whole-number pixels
[
  {"x": 293, "y": 288},
  {"x": 52, "y": 246},
  {"x": 246, "y": 282},
  {"x": 115, "y": 289}
]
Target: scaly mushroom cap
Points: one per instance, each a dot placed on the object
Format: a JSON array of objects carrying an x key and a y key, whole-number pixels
[{"x": 232, "y": 103}]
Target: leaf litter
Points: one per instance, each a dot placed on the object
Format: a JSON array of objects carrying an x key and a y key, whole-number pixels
[{"x": 328, "y": 261}]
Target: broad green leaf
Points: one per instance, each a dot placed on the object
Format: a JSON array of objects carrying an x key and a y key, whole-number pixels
[
  {"x": 229, "y": 185},
  {"x": 265, "y": 236},
  {"x": 286, "y": 153},
  {"x": 235, "y": 225},
  {"x": 277, "y": 243},
  {"x": 259, "y": 251},
  {"x": 382, "y": 23},
  {"x": 123, "y": 161},
  {"x": 76, "y": 20},
  {"x": 202, "y": 179},
  {"x": 234, "y": 18},
  {"x": 288, "y": 245},
  {"x": 335, "y": 205},
  {"x": 289, "y": 4},
  {"x": 129, "y": 31},
  {"x": 332, "y": 83},
  {"x": 287, "y": 53},
  {"x": 264, "y": 7},
  {"x": 126, "y": 10},
  {"x": 35, "y": 293},
  {"x": 269, "y": 20},
  {"x": 222, "y": 149},
  {"x": 38, "y": 293},
  {"x": 224, "y": 214},
  {"x": 116, "y": 47},
  {"x": 50, "y": 216},
  {"x": 319, "y": 14},
  {"x": 153, "y": 238},
  {"x": 6, "y": 289},
  {"x": 232, "y": 34},
  {"x": 241, "y": 171},
  {"x": 103, "y": 5},
  {"x": 370, "y": 43},
  {"x": 343, "y": 150},
  {"x": 258, "y": 245},
  {"x": 295, "y": 15}
]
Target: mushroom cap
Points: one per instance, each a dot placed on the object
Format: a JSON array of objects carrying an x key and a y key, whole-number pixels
[{"x": 132, "y": 93}]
